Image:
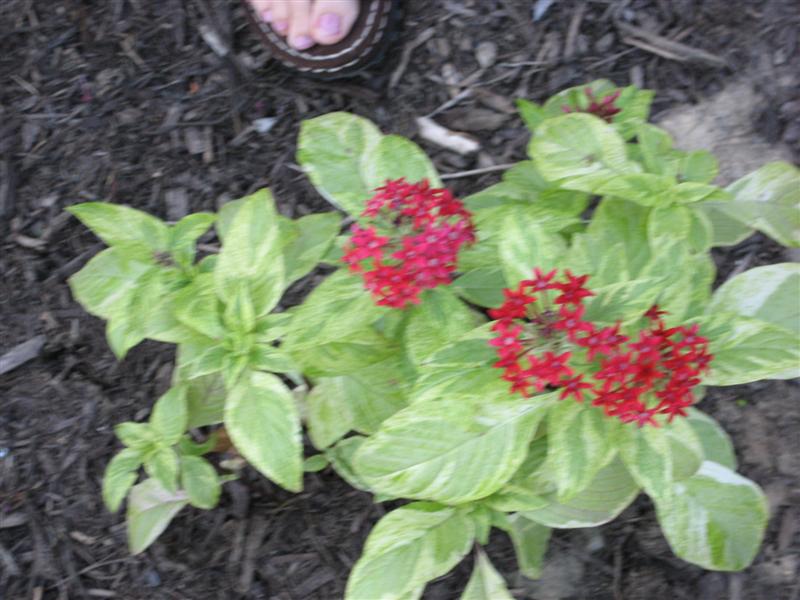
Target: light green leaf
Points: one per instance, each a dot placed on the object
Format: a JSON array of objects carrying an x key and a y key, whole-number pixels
[
  {"x": 341, "y": 457},
  {"x": 200, "y": 481},
  {"x": 686, "y": 448},
  {"x": 205, "y": 401},
  {"x": 240, "y": 315},
  {"x": 263, "y": 424},
  {"x": 333, "y": 150},
  {"x": 769, "y": 200},
  {"x": 315, "y": 464},
  {"x": 120, "y": 475},
  {"x": 646, "y": 453},
  {"x": 200, "y": 356},
  {"x": 119, "y": 225},
  {"x": 162, "y": 464},
  {"x": 617, "y": 222},
  {"x": 608, "y": 494},
  {"x": 451, "y": 451},
  {"x": 251, "y": 254},
  {"x": 135, "y": 435},
  {"x": 668, "y": 222},
  {"x": 530, "y": 541},
  {"x": 269, "y": 358},
  {"x": 532, "y": 114},
  {"x": 397, "y": 157},
  {"x": 438, "y": 319},
  {"x": 527, "y": 488},
  {"x": 716, "y": 519},
  {"x": 581, "y": 441},
  {"x": 690, "y": 192},
  {"x": 655, "y": 146},
  {"x": 184, "y": 234},
  {"x": 746, "y": 349},
  {"x": 150, "y": 509},
  {"x": 197, "y": 307},
  {"x": 698, "y": 165},
  {"x": 769, "y": 293},
  {"x": 727, "y": 230},
  {"x": 717, "y": 446},
  {"x": 525, "y": 246},
  {"x": 407, "y": 548},
  {"x": 483, "y": 287},
  {"x": 485, "y": 583},
  {"x": 329, "y": 415},
  {"x": 621, "y": 301},
  {"x": 579, "y": 149},
  {"x": 315, "y": 235},
  {"x": 105, "y": 284},
  {"x": 170, "y": 415}
]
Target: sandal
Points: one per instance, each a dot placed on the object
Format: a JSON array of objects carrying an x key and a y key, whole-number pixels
[{"x": 365, "y": 45}]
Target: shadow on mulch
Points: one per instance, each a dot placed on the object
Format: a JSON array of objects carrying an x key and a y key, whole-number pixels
[{"x": 123, "y": 100}]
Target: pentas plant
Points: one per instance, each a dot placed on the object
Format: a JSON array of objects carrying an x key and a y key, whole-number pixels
[
  {"x": 543, "y": 342},
  {"x": 497, "y": 361}
]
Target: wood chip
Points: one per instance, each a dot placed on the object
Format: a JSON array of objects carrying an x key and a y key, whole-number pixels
[
  {"x": 21, "y": 353},
  {"x": 666, "y": 48},
  {"x": 441, "y": 136}
]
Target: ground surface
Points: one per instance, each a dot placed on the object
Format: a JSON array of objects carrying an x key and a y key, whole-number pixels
[{"x": 123, "y": 100}]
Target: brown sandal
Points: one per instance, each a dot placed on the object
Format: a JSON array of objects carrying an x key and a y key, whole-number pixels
[{"x": 363, "y": 46}]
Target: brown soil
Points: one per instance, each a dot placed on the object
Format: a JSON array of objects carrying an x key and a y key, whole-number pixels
[{"x": 123, "y": 100}]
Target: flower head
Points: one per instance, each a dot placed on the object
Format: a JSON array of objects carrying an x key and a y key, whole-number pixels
[
  {"x": 408, "y": 241},
  {"x": 603, "y": 108}
]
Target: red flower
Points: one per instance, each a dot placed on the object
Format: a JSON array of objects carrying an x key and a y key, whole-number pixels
[
  {"x": 636, "y": 381},
  {"x": 603, "y": 108},
  {"x": 421, "y": 230}
]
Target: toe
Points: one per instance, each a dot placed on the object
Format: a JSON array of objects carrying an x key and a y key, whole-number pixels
[
  {"x": 281, "y": 14},
  {"x": 332, "y": 20},
  {"x": 300, "y": 25},
  {"x": 263, "y": 8}
]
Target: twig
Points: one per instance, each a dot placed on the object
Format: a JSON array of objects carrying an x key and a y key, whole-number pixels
[
  {"x": 480, "y": 171},
  {"x": 641, "y": 38},
  {"x": 406, "y": 56}
]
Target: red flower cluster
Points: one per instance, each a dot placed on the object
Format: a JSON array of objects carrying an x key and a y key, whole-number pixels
[
  {"x": 603, "y": 108},
  {"x": 409, "y": 241},
  {"x": 540, "y": 340}
]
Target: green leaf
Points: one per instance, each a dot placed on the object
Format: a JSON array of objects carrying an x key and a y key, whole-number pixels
[
  {"x": 240, "y": 314},
  {"x": 527, "y": 488},
  {"x": 716, "y": 519},
  {"x": 769, "y": 200},
  {"x": 580, "y": 443},
  {"x": 668, "y": 222},
  {"x": 647, "y": 454},
  {"x": 397, "y": 157},
  {"x": 580, "y": 151},
  {"x": 655, "y": 146},
  {"x": 530, "y": 541},
  {"x": 699, "y": 166},
  {"x": 621, "y": 301},
  {"x": 728, "y": 231},
  {"x": 170, "y": 416},
  {"x": 186, "y": 447},
  {"x": 316, "y": 463},
  {"x": 769, "y": 293},
  {"x": 269, "y": 358},
  {"x": 263, "y": 424},
  {"x": 526, "y": 246},
  {"x": 251, "y": 254},
  {"x": 104, "y": 286},
  {"x": 197, "y": 307},
  {"x": 438, "y": 319},
  {"x": 205, "y": 401},
  {"x": 717, "y": 446},
  {"x": 532, "y": 114},
  {"x": 609, "y": 493},
  {"x": 746, "y": 350},
  {"x": 119, "y": 225},
  {"x": 341, "y": 457},
  {"x": 150, "y": 509},
  {"x": 329, "y": 414},
  {"x": 333, "y": 150},
  {"x": 200, "y": 481},
  {"x": 315, "y": 235},
  {"x": 162, "y": 465},
  {"x": 483, "y": 287},
  {"x": 119, "y": 476},
  {"x": 485, "y": 583},
  {"x": 407, "y": 548},
  {"x": 184, "y": 234},
  {"x": 690, "y": 192},
  {"x": 617, "y": 222},
  {"x": 685, "y": 447},
  {"x": 200, "y": 356},
  {"x": 135, "y": 435},
  {"x": 450, "y": 451}
]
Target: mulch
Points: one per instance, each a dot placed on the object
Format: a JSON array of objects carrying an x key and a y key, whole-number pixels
[{"x": 132, "y": 101}]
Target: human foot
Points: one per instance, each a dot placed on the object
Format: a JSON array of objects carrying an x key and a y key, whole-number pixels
[{"x": 305, "y": 23}]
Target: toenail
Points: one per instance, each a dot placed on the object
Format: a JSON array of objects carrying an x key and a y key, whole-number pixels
[
  {"x": 330, "y": 24},
  {"x": 267, "y": 16},
  {"x": 281, "y": 26},
  {"x": 301, "y": 42}
]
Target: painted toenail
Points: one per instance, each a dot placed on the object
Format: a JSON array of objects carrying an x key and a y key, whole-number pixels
[
  {"x": 330, "y": 24},
  {"x": 267, "y": 16},
  {"x": 281, "y": 26},
  {"x": 301, "y": 42}
]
